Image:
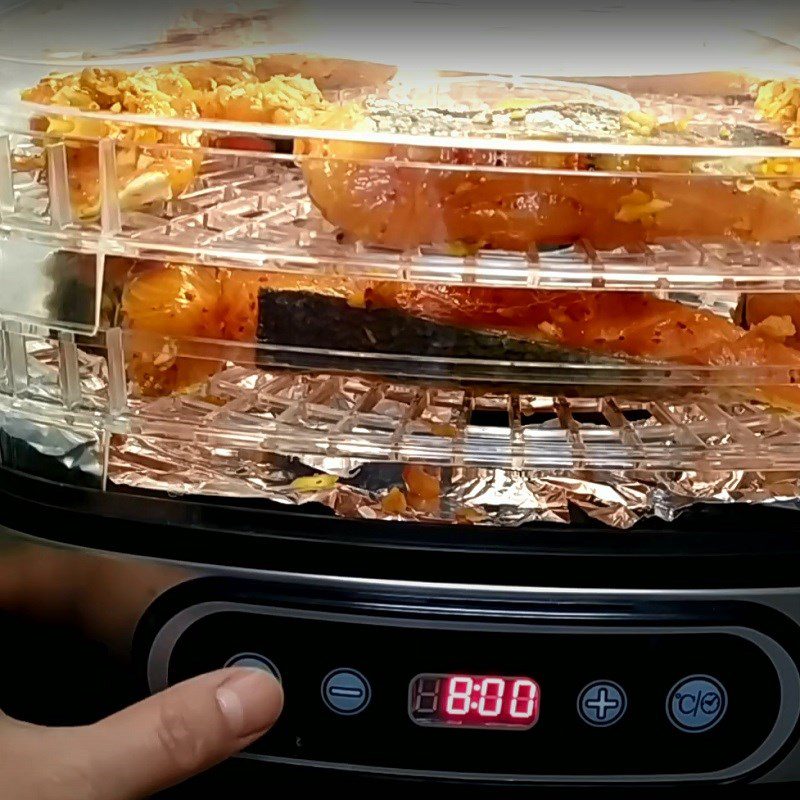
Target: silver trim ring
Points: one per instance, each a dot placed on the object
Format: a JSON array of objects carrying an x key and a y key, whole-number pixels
[{"x": 195, "y": 569}]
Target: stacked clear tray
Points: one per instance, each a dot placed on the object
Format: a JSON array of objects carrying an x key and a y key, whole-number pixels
[{"x": 383, "y": 432}]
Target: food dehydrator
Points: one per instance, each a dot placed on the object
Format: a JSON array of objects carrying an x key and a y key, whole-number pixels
[{"x": 441, "y": 360}]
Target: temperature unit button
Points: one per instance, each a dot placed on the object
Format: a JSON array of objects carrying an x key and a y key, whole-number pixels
[{"x": 697, "y": 703}]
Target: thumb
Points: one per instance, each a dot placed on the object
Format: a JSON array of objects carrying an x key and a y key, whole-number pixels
[
  {"x": 181, "y": 731},
  {"x": 155, "y": 743}
]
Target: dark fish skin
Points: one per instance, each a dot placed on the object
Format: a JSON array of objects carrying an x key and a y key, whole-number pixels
[
  {"x": 321, "y": 323},
  {"x": 306, "y": 319}
]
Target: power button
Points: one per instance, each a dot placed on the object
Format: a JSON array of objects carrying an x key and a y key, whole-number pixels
[{"x": 254, "y": 661}]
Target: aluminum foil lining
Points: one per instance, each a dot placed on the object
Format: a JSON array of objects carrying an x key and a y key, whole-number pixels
[
  {"x": 465, "y": 495},
  {"x": 57, "y": 453}
]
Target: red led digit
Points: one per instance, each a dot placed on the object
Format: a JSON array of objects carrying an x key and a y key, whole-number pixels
[
  {"x": 523, "y": 699},
  {"x": 474, "y": 701},
  {"x": 491, "y": 702},
  {"x": 458, "y": 694}
]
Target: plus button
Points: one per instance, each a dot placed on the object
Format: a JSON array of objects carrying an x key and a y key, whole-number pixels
[{"x": 602, "y": 703}]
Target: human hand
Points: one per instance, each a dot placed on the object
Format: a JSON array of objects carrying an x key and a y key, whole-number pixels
[{"x": 150, "y": 746}]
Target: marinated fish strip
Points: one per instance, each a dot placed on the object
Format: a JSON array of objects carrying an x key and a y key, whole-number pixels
[
  {"x": 603, "y": 328},
  {"x": 402, "y": 196},
  {"x": 560, "y": 327},
  {"x": 631, "y": 323}
]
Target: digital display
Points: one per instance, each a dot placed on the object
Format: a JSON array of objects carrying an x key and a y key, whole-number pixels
[{"x": 474, "y": 701}]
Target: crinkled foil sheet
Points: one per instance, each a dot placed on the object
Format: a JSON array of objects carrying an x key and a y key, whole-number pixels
[{"x": 468, "y": 495}]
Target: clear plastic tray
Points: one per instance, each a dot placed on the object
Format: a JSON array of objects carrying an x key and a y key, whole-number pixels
[
  {"x": 182, "y": 322},
  {"x": 535, "y": 284},
  {"x": 376, "y": 448},
  {"x": 254, "y": 211},
  {"x": 475, "y": 161}
]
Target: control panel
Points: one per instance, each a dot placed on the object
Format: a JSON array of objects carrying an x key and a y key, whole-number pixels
[{"x": 483, "y": 698}]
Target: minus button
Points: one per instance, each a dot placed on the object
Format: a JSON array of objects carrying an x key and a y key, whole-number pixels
[{"x": 345, "y": 691}]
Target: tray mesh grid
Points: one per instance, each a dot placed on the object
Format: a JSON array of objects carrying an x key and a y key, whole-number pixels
[
  {"x": 248, "y": 212},
  {"x": 362, "y": 418}
]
